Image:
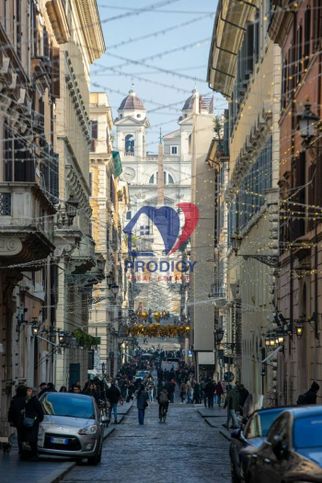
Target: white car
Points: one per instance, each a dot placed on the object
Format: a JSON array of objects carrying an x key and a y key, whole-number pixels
[{"x": 72, "y": 426}]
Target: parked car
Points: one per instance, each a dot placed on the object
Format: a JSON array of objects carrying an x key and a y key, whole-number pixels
[
  {"x": 253, "y": 434},
  {"x": 72, "y": 427},
  {"x": 292, "y": 451}
]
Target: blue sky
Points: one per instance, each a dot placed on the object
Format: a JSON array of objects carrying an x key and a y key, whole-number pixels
[{"x": 191, "y": 26}]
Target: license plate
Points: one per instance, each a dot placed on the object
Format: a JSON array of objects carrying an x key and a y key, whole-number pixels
[{"x": 59, "y": 440}]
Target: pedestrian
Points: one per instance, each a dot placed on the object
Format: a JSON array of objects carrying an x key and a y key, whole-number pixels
[
  {"x": 113, "y": 395},
  {"x": 42, "y": 389},
  {"x": 219, "y": 391},
  {"x": 232, "y": 403},
  {"x": 310, "y": 396},
  {"x": 209, "y": 392},
  {"x": 142, "y": 403},
  {"x": 76, "y": 389},
  {"x": 189, "y": 392},
  {"x": 171, "y": 387},
  {"x": 63, "y": 389},
  {"x": 163, "y": 400},
  {"x": 183, "y": 391},
  {"x": 25, "y": 413},
  {"x": 196, "y": 393},
  {"x": 151, "y": 390},
  {"x": 51, "y": 387}
]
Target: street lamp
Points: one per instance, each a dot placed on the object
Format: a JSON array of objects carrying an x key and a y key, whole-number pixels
[
  {"x": 34, "y": 329},
  {"x": 71, "y": 209},
  {"x": 115, "y": 289},
  {"x": 299, "y": 329},
  {"x": 307, "y": 123}
]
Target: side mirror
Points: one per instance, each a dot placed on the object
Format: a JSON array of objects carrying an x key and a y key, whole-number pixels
[
  {"x": 280, "y": 448},
  {"x": 236, "y": 434}
]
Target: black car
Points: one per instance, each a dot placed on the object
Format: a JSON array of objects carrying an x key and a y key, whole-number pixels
[
  {"x": 292, "y": 451},
  {"x": 253, "y": 435}
]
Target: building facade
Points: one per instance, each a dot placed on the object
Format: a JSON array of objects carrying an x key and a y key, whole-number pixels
[
  {"x": 297, "y": 28},
  {"x": 109, "y": 201},
  {"x": 244, "y": 65},
  {"x": 75, "y": 247}
]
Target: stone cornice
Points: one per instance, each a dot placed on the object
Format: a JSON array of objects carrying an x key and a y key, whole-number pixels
[
  {"x": 91, "y": 28},
  {"x": 58, "y": 20}
]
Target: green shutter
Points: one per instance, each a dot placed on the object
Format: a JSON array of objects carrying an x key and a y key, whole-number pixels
[{"x": 117, "y": 163}]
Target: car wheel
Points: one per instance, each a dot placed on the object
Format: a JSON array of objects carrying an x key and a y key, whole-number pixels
[{"x": 96, "y": 459}]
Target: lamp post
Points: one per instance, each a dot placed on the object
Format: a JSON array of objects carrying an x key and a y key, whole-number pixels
[{"x": 307, "y": 121}]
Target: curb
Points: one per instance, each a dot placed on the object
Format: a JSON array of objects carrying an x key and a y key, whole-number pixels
[{"x": 57, "y": 475}]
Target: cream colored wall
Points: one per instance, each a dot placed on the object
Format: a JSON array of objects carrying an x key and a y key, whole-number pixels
[{"x": 203, "y": 192}]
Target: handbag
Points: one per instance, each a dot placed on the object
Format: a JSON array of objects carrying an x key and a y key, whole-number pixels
[
  {"x": 28, "y": 423},
  {"x": 146, "y": 404}
]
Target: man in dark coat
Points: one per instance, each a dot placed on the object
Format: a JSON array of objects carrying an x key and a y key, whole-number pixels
[
  {"x": 142, "y": 403},
  {"x": 310, "y": 396},
  {"x": 209, "y": 392},
  {"x": 25, "y": 405},
  {"x": 113, "y": 395}
]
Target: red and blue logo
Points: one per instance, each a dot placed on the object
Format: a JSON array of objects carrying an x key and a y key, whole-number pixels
[{"x": 167, "y": 220}]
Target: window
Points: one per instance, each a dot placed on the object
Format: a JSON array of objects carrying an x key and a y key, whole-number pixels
[
  {"x": 94, "y": 125},
  {"x": 167, "y": 178},
  {"x": 129, "y": 144},
  {"x": 307, "y": 37},
  {"x": 174, "y": 150},
  {"x": 317, "y": 25},
  {"x": 144, "y": 230},
  {"x": 18, "y": 27}
]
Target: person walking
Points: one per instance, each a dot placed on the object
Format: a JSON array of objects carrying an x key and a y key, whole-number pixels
[
  {"x": 209, "y": 391},
  {"x": 163, "y": 400},
  {"x": 232, "y": 403},
  {"x": 113, "y": 395},
  {"x": 25, "y": 413},
  {"x": 219, "y": 391},
  {"x": 183, "y": 391},
  {"x": 142, "y": 403},
  {"x": 310, "y": 396}
]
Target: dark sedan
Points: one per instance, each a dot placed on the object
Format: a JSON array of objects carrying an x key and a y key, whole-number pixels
[
  {"x": 292, "y": 451},
  {"x": 253, "y": 435}
]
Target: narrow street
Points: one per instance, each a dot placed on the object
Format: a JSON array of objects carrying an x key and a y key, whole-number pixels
[{"x": 185, "y": 449}]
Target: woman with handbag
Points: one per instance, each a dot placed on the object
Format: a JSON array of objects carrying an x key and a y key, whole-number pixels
[
  {"x": 142, "y": 403},
  {"x": 25, "y": 413}
]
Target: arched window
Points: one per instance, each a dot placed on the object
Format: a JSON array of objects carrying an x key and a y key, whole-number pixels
[
  {"x": 129, "y": 144},
  {"x": 167, "y": 178}
]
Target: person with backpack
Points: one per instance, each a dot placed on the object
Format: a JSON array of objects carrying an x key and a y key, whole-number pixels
[
  {"x": 163, "y": 400},
  {"x": 309, "y": 397},
  {"x": 25, "y": 413}
]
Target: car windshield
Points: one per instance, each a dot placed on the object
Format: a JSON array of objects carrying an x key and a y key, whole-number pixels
[
  {"x": 267, "y": 419},
  {"x": 307, "y": 432},
  {"x": 70, "y": 405}
]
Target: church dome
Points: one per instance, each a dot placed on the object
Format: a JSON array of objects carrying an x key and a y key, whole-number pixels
[
  {"x": 131, "y": 102},
  {"x": 188, "y": 105}
]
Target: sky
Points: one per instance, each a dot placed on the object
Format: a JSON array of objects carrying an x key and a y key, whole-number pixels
[{"x": 188, "y": 25}]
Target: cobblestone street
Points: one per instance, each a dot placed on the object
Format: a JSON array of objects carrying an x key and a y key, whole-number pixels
[{"x": 185, "y": 449}]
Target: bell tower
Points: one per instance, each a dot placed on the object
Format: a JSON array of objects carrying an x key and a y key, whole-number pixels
[{"x": 131, "y": 125}]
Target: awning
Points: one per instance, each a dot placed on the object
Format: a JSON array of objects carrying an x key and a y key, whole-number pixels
[
  {"x": 117, "y": 163},
  {"x": 272, "y": 355}
]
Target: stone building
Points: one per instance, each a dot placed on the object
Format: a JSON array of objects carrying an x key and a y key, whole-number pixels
[
  {"x": 297, "y": 28},
  {"x": 244, "y": 65},
  {"x": 78, "y": 264},
  {"x": 109, "y": 201}
]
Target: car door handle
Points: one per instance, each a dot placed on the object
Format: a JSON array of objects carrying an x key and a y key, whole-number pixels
[{"x": 267, "y": 460}]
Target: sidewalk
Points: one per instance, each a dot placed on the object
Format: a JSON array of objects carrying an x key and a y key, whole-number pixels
[
  {"x": 215, "y": 418},
  {"x": 48, "y": 469}
]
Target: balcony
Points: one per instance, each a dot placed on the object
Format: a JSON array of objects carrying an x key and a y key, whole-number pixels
[{"x": 26, "y": 227}]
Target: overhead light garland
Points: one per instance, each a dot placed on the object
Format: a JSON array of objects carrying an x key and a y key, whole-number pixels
[{"x": 157, "y": 330}]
